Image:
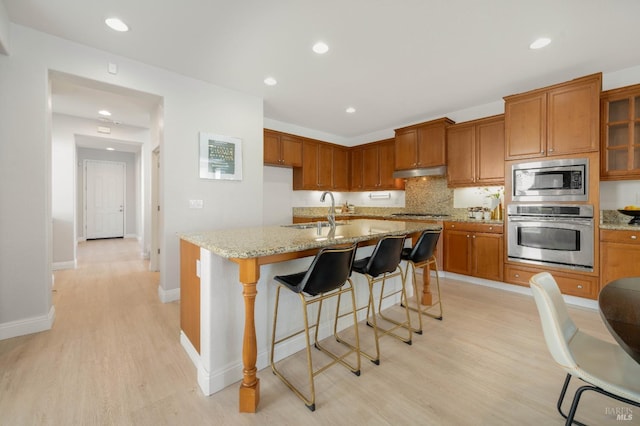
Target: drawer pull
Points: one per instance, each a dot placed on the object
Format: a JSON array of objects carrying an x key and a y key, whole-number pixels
[
  {"x": 580, "y": 286},
  {"x": 516, "y": 275},
  {"x": 633, "y": 237},
  {"x": 491, "y": 228}
]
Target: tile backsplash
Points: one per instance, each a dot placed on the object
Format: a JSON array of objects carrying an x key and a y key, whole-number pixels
[{"x": 428, "y": 194}]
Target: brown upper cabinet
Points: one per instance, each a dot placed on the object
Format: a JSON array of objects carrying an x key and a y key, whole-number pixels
[
  {"x": 475, "y": 152},
  {"x": 324, "y": 167},
  {"x": 421, "y": 145},
  {"x": 557, "y": 120},
  {"x": 281, "y": 149},
  {"x": 620, "y": 138},
  {"x": 372, "y": 167},
  {"x": 340, "y": 164}
]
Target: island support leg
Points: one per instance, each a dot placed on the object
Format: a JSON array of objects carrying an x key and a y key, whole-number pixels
[{"x": 250, "y": 386}]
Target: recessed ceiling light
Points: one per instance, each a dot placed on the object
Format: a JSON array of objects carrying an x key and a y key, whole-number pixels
[
  {"x": 116, "y": 24},
  {"x": 110, "y": 149},
  {"x": 350, "y": 110},
  {"x": 320, "y": 48},
  {"x": 540, "y": 43},
  {"x": 270, "y": 81},
  {"x": 104, "y": 113}
]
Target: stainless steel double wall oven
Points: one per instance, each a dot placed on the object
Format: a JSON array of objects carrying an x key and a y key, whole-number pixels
[{"x": 548, "y": 232}]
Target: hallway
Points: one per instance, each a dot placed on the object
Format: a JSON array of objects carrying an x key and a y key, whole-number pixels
[{"x": 113, "y": 348}]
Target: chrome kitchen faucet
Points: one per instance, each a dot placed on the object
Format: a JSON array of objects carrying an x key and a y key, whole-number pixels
[{"x": 331, "y": 217}]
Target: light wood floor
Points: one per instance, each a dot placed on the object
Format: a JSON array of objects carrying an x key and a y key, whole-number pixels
[{"x": 113, "y": 357}]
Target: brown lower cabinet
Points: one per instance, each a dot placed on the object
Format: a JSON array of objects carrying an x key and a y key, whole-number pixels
[
  {"x": 569, "y": 283},
  {"x": 619, "y": 254},
  {"x": 190, "y": 292},
  {"x": 474, "y": 249}
]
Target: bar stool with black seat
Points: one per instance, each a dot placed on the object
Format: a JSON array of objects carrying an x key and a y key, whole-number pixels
[
  {"x": 420, "y": 255},
  {"x": 384, "y": 263},
  {"x": 328, "y": 276}
]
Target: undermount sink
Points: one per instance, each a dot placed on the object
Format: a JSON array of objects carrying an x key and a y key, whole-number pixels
[{"x": 313, "y": 225}]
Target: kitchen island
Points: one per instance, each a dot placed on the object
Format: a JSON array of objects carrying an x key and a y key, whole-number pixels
[{"x": 253, "y": 256}]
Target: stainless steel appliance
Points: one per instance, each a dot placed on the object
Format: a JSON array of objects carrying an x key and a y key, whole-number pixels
[
  {"x": 559, "y": 235},
  {"x": 551, "y": 180}
]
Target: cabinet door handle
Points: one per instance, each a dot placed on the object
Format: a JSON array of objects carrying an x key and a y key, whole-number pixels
[
  {"x": 468, "y": 235},
  {"x": 542, "y": 152},
  {"x": 550, "y": 149},
  {"x": 473, "y": 236}
]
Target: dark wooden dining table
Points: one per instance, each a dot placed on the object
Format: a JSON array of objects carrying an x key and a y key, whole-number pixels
[{"x": 619, "y": 303}]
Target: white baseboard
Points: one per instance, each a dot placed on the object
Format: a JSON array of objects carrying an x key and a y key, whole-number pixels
[
  {"x": 167, "y": 296},
  {"x": 571, "y": 300},
  {"x": 191, "y": 351},
  {"x": 211, "y": 382},
  {"x": 27, "y": 325},
  {"x": 71, "y": 264}
]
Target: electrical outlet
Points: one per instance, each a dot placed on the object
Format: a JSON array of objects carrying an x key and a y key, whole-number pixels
[{"x": 195, "y": 204}]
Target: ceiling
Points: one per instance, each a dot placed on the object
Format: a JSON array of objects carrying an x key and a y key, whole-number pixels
[{"x": 396, "y": 62}]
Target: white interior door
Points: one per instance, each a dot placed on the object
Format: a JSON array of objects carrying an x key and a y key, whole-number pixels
[{"x": 104, "y": 199}]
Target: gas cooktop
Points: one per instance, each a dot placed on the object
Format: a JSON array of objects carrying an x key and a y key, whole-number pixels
[{"x": 421, "y": 214}]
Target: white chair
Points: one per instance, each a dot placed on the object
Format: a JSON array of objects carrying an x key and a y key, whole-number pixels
[{"x": 605, "y": 367}]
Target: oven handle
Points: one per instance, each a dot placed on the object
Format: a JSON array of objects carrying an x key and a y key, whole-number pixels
[{"x": 586, "y": 222}]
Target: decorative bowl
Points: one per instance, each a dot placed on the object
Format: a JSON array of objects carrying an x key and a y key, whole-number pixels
[{"x": 635, "y": 220}]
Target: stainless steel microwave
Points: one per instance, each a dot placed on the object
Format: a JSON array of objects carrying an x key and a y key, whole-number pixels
[{"x": 551, "y": 180}]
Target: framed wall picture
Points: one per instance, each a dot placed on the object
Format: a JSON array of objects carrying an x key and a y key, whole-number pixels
[{"x": 220, "y": 157}]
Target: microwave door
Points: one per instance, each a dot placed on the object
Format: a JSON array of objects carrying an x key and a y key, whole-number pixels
[{"x": 545, "y": 181}]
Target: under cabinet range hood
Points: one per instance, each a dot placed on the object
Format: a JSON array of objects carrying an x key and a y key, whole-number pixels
[{"x": 425, "y": 171}]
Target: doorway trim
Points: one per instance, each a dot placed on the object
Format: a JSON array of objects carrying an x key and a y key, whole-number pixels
[{"x": 154, "y": 256}]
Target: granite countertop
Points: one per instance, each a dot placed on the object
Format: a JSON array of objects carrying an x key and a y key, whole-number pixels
[
  {"x": 619, "y": 226},
  {"x": 244, "y": 243}
]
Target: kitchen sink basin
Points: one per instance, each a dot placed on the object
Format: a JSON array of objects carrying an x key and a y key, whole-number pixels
[{"x": 313, "y": 225}]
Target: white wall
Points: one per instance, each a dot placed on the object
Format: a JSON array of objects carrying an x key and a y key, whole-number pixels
[
  {"x": 25, "y": 181},
  {"x": 63, "y": 183},
  {"x": 278, "y": 194},
  {"x": 190, "y": 106},
  {"x": 617, "y": 194}
]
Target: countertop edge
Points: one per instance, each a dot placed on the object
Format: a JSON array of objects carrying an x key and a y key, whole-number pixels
[{"x": 221, "y": 242}]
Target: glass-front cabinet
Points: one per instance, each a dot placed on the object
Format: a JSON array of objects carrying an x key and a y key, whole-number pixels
[{"x": 620, "y": 139}]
